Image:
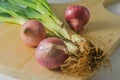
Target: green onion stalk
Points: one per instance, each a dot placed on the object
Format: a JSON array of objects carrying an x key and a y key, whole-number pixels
[{"x": 84, "y": 57}]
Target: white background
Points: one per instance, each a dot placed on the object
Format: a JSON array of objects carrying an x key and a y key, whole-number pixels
[{"x": 115, "y": 58}]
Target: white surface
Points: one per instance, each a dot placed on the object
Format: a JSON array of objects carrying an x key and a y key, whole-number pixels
[
  {"x": 115, "y": 58},
  {"x": 3, "y": 77},
  {"x": 115, "y": 8}
]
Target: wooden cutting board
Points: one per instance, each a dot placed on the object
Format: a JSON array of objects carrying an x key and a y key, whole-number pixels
[{"x": 18, "y": 60}]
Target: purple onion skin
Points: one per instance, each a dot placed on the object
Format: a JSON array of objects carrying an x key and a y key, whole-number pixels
[
  {"x": 49, "y": 56},
  {"x": 32, "y": 32},
  {"x": 77, "y": 16}
]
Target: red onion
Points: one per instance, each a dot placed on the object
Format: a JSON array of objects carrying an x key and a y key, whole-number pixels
[
  {"x": 77, "y": 16},
  {"x": 51, "y": 53},
  {"x": 32, "y": 32}
]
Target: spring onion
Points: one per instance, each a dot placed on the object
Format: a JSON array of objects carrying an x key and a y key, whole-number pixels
[{"x": 84, "y": 57}]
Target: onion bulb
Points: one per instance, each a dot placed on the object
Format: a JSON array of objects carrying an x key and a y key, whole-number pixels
[
  {"x": 32, "y": 32},
  {"x": 51, "y": 53},
  {"x": 77, "y": 16}
]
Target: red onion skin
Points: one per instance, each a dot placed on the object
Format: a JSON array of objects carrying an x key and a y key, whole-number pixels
[
  {"x": 49, "y": 56},
  {"x": 32, "y": 32},
  {"x": 77, "y": 16}
]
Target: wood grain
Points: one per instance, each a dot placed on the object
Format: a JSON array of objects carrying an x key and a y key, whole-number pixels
[{"x": 18, "y": 60}]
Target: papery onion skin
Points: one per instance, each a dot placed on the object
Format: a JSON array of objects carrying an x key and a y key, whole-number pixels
[
  {"x": 49, "y": 55},
  {"x": 32, "y": 32},
  {"x": 77, "y": 16}
]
